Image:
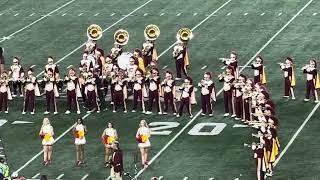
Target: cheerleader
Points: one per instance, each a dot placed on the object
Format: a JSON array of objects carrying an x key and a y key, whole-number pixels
[
  {"x": 79, "y": 132},
  {"x": 289, "y": 77},
  {"x": 169, "y": 93},
  {"x": 119, "y": 92},
  {"x": 138, "y": 90},
  {"x": 73, "y": 90},
  {"x": 46, "y": 134},
  {"x": 16, "y": 72},
  {"x": 208, "y": 93},
  {"x": 227, "y": 78},
  {"x": 31, "y": 90},
  {"x": 187, "y": 97},
  {"x": 312, "y": 83},
  {"x": 258, "y": 70},
  {"x": 143, "y": 137},
  {"x": 51, "y": 91},
  {"x": 5, "y": 94},
  {"x": 154, "y": 90},
  {"x": 108, "y": 136}
]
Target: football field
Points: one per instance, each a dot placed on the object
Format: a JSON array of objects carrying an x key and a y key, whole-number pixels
[{"x": 201, "y": 148}]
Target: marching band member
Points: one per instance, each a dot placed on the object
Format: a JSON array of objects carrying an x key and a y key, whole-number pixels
[
  {"x": 91, "y": 46},
  {"x": 51, "y": 91},
  {"x": 238, "y": 101},
  {"x": 227, "y": 78},
  {"x": 187, "y": 97},
  {"x": 149, "y": 52},
  {"x": 85, "y": 64},
  {"x": 99, "y": 53},
  {"x": 131, "y": 70},
  {"x": 119, "y": 92},
  {"x": 113, "y": 74},
  {"x": 79, "y": 132},
  {"x": 17, "y": 73},
  {"x": 208, "y": 93},
  {"x": 232, "y": 62},
  {"x": 154, "y": 90},
  {"x": 143, "y": 137},
  {"x": 289, "y": 77},
  {"x": 138, "y": 54},
  {"x": 180, "y": 54},
  {"x": 138, "y": 90},
  {"x": 116, "y": 51},
  {"x": 46, "y": 134},
  {"x": 260, "y": 159},
  {"x": 73, "y": 90},
  {"x": 116, "y": 162},
  {"x": 91, "y": 92},
  {"x": 169, "y": 93},
  {"x": 5, "y": 94},
  {"x": 258, "y": 70},
  {"x": 247, "y": 99},
  {"x": 108, "y": 136},
  {"x": 106, "y": 73},
  {"x": 31, "y": 90},
  {"x": 313, "y": 82},
  {"x": 52, "y": 66},
  {"x": 1, "y": 60}
]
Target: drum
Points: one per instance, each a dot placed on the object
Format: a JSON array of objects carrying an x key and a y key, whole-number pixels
[{"x": 124, "y": 60}]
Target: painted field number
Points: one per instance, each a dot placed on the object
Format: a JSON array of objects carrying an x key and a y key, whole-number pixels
[{"x": 162, "y": 128}]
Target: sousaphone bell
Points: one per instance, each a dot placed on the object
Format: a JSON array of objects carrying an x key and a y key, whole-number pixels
[
  {"x": 184, "y": 35},
  {"x": 121, "y": 37},
  {"x": 94, "y": 32},
  {"x": 151, "y": 32}
]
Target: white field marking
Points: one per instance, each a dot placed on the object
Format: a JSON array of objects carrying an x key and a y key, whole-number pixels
[
  {"x": 22, "y": 122},
  {"x": 245, "y": 14},
  {"x": 69, "y": 66},
  {"x": 204, "y": 20},
  {"x": 17, "y": 14},
  {"x": 112, "y": 14},
  {"x": 314, "y": 14},
  {"x": 60, "y": 176},
  {"x": 185, "y": 178},
  {"x": 262, "y": 14},
  {"x": 32, "y": 14},
  {"x": 194, "y": 14},
  {"x": 34, "y": 22},
  {"x": 145, "y": 14},
  {"x": 280, "y": 14},
  {"x": 35, "y": 176},
  {"x": 182, "y": 130},
  {"x": 203, "y": 67},
  {"x": 178, "y": 14},
  {"x": 85, "y": 177},
  {"x": 223, "y": 67},
  {"x": 80, "y": 14},
  {"x": 85, "y": 116},
  {"x": 96, "y": 14},
  {"x": 109, "y": 27},
  {"x": 198, "y": 114},
  {"x": 64, "y": 14},
  {"x": 1, "y": 14},
  {"x": 3, "y": 121},
  {"x": 229, "y": 14},
  {"x": 212, "y": 178},
  {"x": 296, "y": 134},
  {"x": 236, "y": 179},
  {"x": 162, "y": 14},
  {"x": 239, "y": 126},
  {"x": 164, "y": 67},
  {"x": 32, "y": 66},
  {"x": 160, "y": 177}
]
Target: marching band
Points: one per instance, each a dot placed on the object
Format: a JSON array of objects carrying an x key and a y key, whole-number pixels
[{"x": 137, "y": 74}]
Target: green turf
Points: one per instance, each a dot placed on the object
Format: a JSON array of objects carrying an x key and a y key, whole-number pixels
[{"x": 222, "y": 156}]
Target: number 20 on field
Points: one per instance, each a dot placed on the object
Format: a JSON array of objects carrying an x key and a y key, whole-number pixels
[{"x": 164, "y": 128}]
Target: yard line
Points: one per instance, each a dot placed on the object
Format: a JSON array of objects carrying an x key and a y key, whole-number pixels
[
  {"x": 69, "y": 66},
  {"x": 198, "y": 114},
  {"x": 60, "y": 176},
  {"x": 203, "y": 67},
  {"x": 35, "y": 176},
  {"x": 185, "y": 178},
  {"x": 85, "y": 116},
  {"x": 211, "y": 178},
  {"x": 36, "y": 21},
  {"x": 123, "y": 18},
  {"x": 112, "y": 14},
  {"x": 296, "y": 134},
  {"x": 85, "y": 177}
]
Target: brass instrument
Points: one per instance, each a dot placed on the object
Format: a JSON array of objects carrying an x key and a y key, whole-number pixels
[
  {"x": 151, "y": 32},
  {"x": 305, "y": 67},
  {"x": 121, "y": 37},
  {"x": 252, "y": 144},
  {"x": 184, "y": 35},
  {"x": 94, "y": 32}
]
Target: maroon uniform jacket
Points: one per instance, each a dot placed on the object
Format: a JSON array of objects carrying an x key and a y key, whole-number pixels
[{"x": 117, "y": 161}]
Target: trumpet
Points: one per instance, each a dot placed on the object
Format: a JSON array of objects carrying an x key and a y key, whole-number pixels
[
  {"x": 252, "y": 144},
  {"x": 238, "y": 84},
  {"x": 224, "y": 59},
  {"x": 94, "y": 32},
  {"x": 121, "y": 37},
  {"x": 305, "y": 67}
]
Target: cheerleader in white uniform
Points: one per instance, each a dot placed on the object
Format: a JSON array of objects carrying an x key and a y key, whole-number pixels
[
  {"x": 46, "y": 133},
  {"x": 79, "y": 132},
  {"x": 143, "y": 137},
  {"x": 108, "y": 136}
]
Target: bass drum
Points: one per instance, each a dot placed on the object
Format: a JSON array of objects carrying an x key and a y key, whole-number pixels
[{"x": 124, "y": 60}]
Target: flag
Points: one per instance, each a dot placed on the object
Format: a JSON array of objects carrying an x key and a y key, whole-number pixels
[
  {"x": 264, "y": 79},
  {"x": 293, "y": 78}
]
